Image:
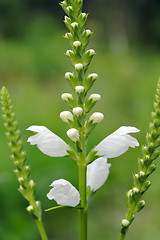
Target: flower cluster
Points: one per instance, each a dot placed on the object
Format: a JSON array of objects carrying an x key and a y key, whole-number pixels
[
  {"x": 93, "y": 167},
  {"x": 145, "y": 166},
  {"x": 22, "y": 171}
]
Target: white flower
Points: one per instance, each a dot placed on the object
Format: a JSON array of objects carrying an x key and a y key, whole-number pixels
[
  {"x": 118, "y": 142},
  {"x": 97, "y": 117},
  {"x": 48, "y": 142},
  {"x": 73, "y": 134},
  {"x": 97, "y": 173},
  {"x": 64, "y": 193}
]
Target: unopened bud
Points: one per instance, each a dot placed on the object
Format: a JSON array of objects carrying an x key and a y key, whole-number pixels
[
  {"x": 135, "y": 190},
  {"x": 69, "y": 75},
  {"x": 30, "y": 208},
  {"x": 88, "y": 32},
  {"x": 77, "y": 111},
  {"x": 78, "y": 66},
  {"x": 97, "y": 117},
  {"x": 74, "y": 25},
  {"x": 140, "y": 205},
  {"x": 141, "y": 174},
  {"x": 66, "y": 116},
  {"x": 66, "y": 97},
  {"x": 91, "y": 52},
  {"x": 68, "y": 35},
  {"x": 95, "y": 97},
  {"x": 76, "y": 44},
  {"x": 73, "y": 134},
  {"x": 69, "y": 53},
  {"x": 125, "y": 223},
  {"x": 93, "y": 76},
  {"x": 79, "y": 89}
]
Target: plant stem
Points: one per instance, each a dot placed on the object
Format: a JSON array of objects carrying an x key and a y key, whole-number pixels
[
  {"x": 41, "y": 229},
  {"x": 122, "y": 236},
  {"x": 82, "y": 189}
]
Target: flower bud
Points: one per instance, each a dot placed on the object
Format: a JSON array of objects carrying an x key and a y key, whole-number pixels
[
  {"x": 79, "y": 89},
  {"x": 68, "y": 35},
  {"x": 66, "y": 116},
  {"x": 30, "y": 208},
  {"x": 90, "y": 52},
  {"x": 125, "y": 223},
  {"x": 135, "y": 190},
  {"x": 95, "y": 97},
  {"x": 77, "y": 44},
  {"x": 66, "y": 97},
  {"x": 78, "y": 66},
  {"x": 74, "y": 25},
  {"x": 88, "y": 32},
  {"x": 93, "y": 76},
  {"x": 73, "y": 134},
  {"x": 69, "y": 53},
  {"x": 77, "y": 111},
  {"x": 96, "y": 117},
  {"x": 69, "y": 75},
  {"x": 140, "y": 205}
]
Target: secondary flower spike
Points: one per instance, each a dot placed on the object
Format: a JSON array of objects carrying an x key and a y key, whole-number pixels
[
  {"x": 64, "y": 193},
  {"x": 97, "y": 173},
  {"x": 117, "y": 143},
  {"x": 48, "y": 142}
]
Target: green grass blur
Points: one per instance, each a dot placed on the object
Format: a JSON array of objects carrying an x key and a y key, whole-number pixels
[{"x": 32, "y": 69}]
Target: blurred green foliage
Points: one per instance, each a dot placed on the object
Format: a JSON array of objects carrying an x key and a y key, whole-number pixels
[{"x": 32, "y": 68}]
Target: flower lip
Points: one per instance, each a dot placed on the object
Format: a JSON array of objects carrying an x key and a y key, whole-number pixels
[
  {"x": 118, "y": 142},
  {"x": 97, "y": 173},
  {"x": 48, "y": 142},
  {"x": 64, "y": 193}
]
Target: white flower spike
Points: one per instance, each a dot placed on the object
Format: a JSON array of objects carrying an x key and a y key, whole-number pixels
[
  {"x": 117, "y": 143},
  {"x": 97, "y": 173},
  {"x": 64, "y": 193},
  {"x": 48, "y": 142}
]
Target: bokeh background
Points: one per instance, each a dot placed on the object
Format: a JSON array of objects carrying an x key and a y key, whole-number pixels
[{"x": 32, "y": 65}]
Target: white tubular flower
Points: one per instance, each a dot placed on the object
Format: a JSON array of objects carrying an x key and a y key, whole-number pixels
[
  {"x": 64, "y": 193},
  {"x": 77, "y": 111},
  {"x": 66, "y": 97},
  {"x": 73, "y": 134},
  {"x": 118, "y": 142},
  {"x": 95, "y": 97},
  {"x": 97, "y": 117},
  {"x": 65, "y": 116},
  {"x": 78, "y": 66},
  {"x": 79, "y": 89},
  {"x": 48, "y": 142},
  {"x": 97, "y": 173}
]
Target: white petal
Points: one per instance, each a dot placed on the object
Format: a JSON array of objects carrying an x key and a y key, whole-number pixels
[
  {"x": 48, "y": 142},
  {"x": 117, "y": 143},
  {"x": 64, "y": 193},
  {"x": 97, "y": 173}
]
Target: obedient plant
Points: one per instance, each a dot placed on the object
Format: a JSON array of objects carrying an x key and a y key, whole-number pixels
[{"x": 93, "y": 166}]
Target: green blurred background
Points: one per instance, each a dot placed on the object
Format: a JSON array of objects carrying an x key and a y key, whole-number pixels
[{"x": 32, "y": 65}]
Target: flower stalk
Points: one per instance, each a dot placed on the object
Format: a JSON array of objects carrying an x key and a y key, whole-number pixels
[
  {"x": 145, "y": 167},
  {"x": 22, "y": 171}
]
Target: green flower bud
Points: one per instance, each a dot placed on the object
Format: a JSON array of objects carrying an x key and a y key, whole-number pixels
[{"x": 140, "y": 205}]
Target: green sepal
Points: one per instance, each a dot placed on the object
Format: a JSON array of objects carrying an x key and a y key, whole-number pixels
[
  {"x": 91, "y": 156},
  {"x": 72, "y": 154},
  {"x": 140, "y": 205}
]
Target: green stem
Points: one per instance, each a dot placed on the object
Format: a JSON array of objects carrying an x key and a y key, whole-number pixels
[
  {"x": 122, "y": 236},
  {"x": 82, "y": 188},
  {"x": 83, "y": 210},
  {"x": 41, "y": 229}
]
